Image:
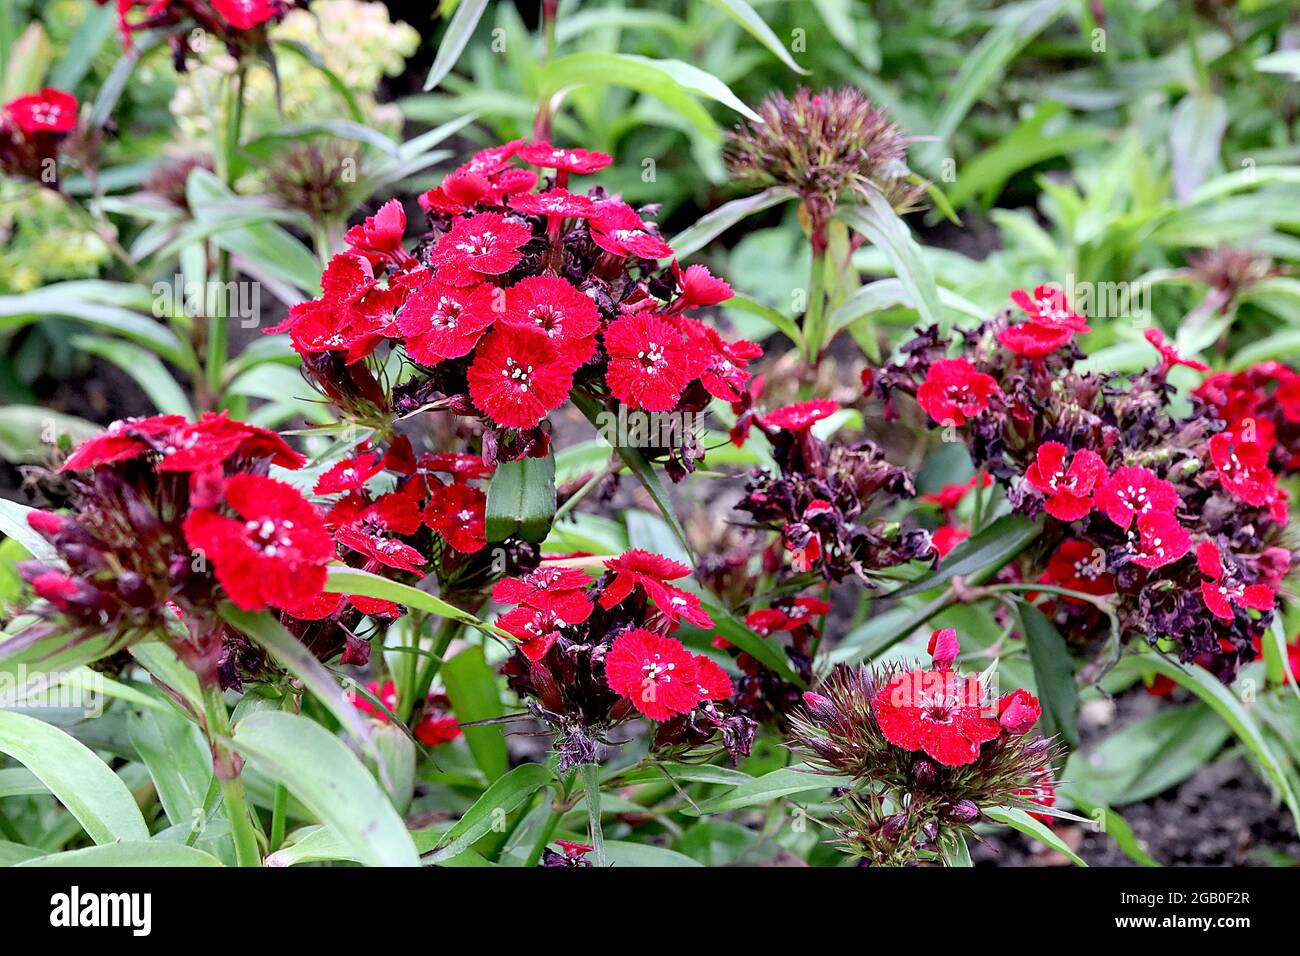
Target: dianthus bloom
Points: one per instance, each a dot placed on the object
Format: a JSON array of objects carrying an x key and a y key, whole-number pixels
[
  {"x": 656, "y": 673},
  {"x": 954, "y": 391},
  {"x": 32, "y": 127}
]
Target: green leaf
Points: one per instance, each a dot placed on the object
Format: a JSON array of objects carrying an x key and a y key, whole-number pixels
[
  {"x": 26, "y": 432},
  {"x": 84, "y": 784},
  {"x": 143, "y": 366},
  {"x": 1053, "y": 674},
  {"x": 779, "y": 321},
  {"x": 293, "y": 656},
  {"x": 13, "y": 524},
  {"x": 471, "y": 683},
  {"x": 1117, "y": 828},
  {"x": 133, "y": 853},
  {"x": 459, "y": 30},
  {"x": 979, "y": 556},
  {"x": 713, "y": 224},
  {"x": 880, "y": 224},
  {"x": 503, "y": 797},
  {"x": 754, "y": 25},
  {"x": 1222, "y": 701},
  {"x": 329, "y": 780},
  {"x": 771, "y": 786},
  {"x": 178, "y": 759},
  {"x": 591, "y": 789},
  {"x": 889, "y": 294},
  {"x": 1022, "y": 821},
  {"x": 345, "y": 580},
  {"x": 521, "y": 499},
  {"x": 622, "y": 853}
]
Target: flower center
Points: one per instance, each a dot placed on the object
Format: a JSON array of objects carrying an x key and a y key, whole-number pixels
[{"x": 269, "y": 535}]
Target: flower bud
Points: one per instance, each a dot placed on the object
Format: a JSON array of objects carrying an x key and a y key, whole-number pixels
[{"x": 963, "y": 811}]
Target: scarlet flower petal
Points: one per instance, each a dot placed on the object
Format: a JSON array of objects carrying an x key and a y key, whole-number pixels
[
  {"x": 657, "y": 674},
  {"x": 517, "y": 377}
]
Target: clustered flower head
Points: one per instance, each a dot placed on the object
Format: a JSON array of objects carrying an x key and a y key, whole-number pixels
[
  {"x": 928, "y": 749},
  {"x": 823, "y": 498},
  {"x": 169, "y": 516},
  {"x": 1260, "y": 403},
  {"x": 32, "y": 127},
  {"x": 590, "y": 656},
  {"x": 1170, "y": 526},
  {"x": 824, "y": 147},
  {"x": 239, "y": 24},
  {"x": 520, "y": 295}
]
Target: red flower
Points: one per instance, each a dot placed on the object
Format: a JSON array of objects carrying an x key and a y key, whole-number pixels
[
  {"x": 651, "y": 573},
  {"x": 459, "y": 192},
  {"x": 1018, "y": 711},
  {"x": 275, "y": 555},
  {"x": 246, "y": 14},
  {"x": 954, "y": 391},
  {"x": 553, "y": 202},
  {"x": 711, "y": 681},
  {"x": 353, "y": 315},
  {"x": 539, "y": 628},
  {"x": 386, "y": 694},
  {"x": 517, "y": 377},
  {"x": 657, "y": 674},
  {"x": 1221, "y": 590},
  {"x": 722, "y": 366},
  {"x": 1034, "y": 341},
  {"x": 950, "y": 496},
  {"x": 1133, "y": 491},
  {"x": 553, "y": 306},
  {"x": 441, "y": 321},
  {"x": 436, "y": 725},
  {"x": 456, "y": 513},
  {"x": 184, "y": 446},
  {"x": 946, "y": 537},
  {"x": 493, "y": 160},
  {"x": 767, "y": 621},
  {"x": 1169, "y": 357},
  {"x": 800, "y": 416},
  {"x": 617, "y": 229},
  {"x": 460, "y": 467},
  {"x": 1243, "y": 469},
  {"x": 542, "y": 587},
  {"x": 1161, "y": 540},
  {"x": 648, "y": 362},
  {"x": 1068, "y": 491},
  {"x": 372, "y": 527},
  {"x": 1079, "y": 566},
  {"x": 55, "y": 587},
  {"x": 803, "y": 609},
  {"x": 937, "y": 711},
  {"x": 381, "y": 233},
  {"x": 350, "y": 474},
  {"x": 699, "y": 287},
  {"x": 1043, "y": 792},
  {"x": 581, "y": 161},
  {"x": 486, "y": 244},
  {"x": 943, "y": 648},
  {"x": 1048, "y": 309},
  {"x": 49, "y": 111}
]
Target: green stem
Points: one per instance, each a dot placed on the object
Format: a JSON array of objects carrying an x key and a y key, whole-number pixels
[
  {"x": 430, "y": 666},
  {"x": 209, "y": 803},
  {"x": 277, "y": 817},
  {"x": 591, "y": 786},
  {"x": 226, "y": 766},
  {"x": 814, "y": 332},
  {"x": 219, "y": 321},
  {"x": 546, "y": 832}
]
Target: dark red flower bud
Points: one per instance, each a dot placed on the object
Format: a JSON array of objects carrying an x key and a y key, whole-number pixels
[{"x": 963, "y": 811}]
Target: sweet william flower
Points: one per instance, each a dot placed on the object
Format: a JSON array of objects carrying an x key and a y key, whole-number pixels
[
  {"x": 1222, "y": 590},
  {"x": 955, "y": 391},
  {"x": 648, "y": 362},
  {"x": 946, "y": 537},
  {"x": 182, "y": 445},
  {"x": 350, "y": 474},
  {"x": 1034, "y": 341},
  {"x": 484, "y": 244},
  {"x": 545, "y": 588},
  {"x": 1078, "y": 565},
  {"x": 456, "y": 513},
  {"x": 49, "y": 111},
  {"x": 1169, "y": 357},
  {"x": 943, "y": 648},
  {"x": 617, "y": 229},
  {"x": 441, "y": 321},
  {"x": 1047, "y": 308},
  {"x": 1068, "y": 489},
  {"x": 655, "y": 673},
  {"x": 274, "y": 553},
  {"x": 517, "y": 377},
  {"x": 381, "y": 233},
  {"x": 246, "y": 14},
  {"x": 699, "y": 287},
  {"x": 1161, "y": 540},
  {"x": 1131, "y": 492},
  {"x": 580, "y": 161},
  {"x": 1018, "y": 711},
  {"x": 800, "y": 416},
  {"x": 638, "y": 569},
  {"x": 554, "y": 307},
  {"x": 373, "y": 528},
  {"x": 937, "y": 711},
  {"x": 554, "y": 202},
  {"x": 1243, "y": 469}
]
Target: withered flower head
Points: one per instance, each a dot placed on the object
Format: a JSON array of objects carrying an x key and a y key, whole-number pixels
[
  {"x": 1231, "y": 271},
  {"x": 317, "y": 178},
  {"x": 825, "y": 147}
]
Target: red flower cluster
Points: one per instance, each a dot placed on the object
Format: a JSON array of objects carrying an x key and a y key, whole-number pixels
[
  {"x": 1050, "y": 325},
  {"x": 946, "y": 714},
  {"x": 517, "y": 298},
  {"x": 31, "y": 129},
  {"x": 1132, "y": 489},
  {"x": 225, "y": 20},
  {"x": 592, "y": 654},
  {"x": 1261, "y": 405}
]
